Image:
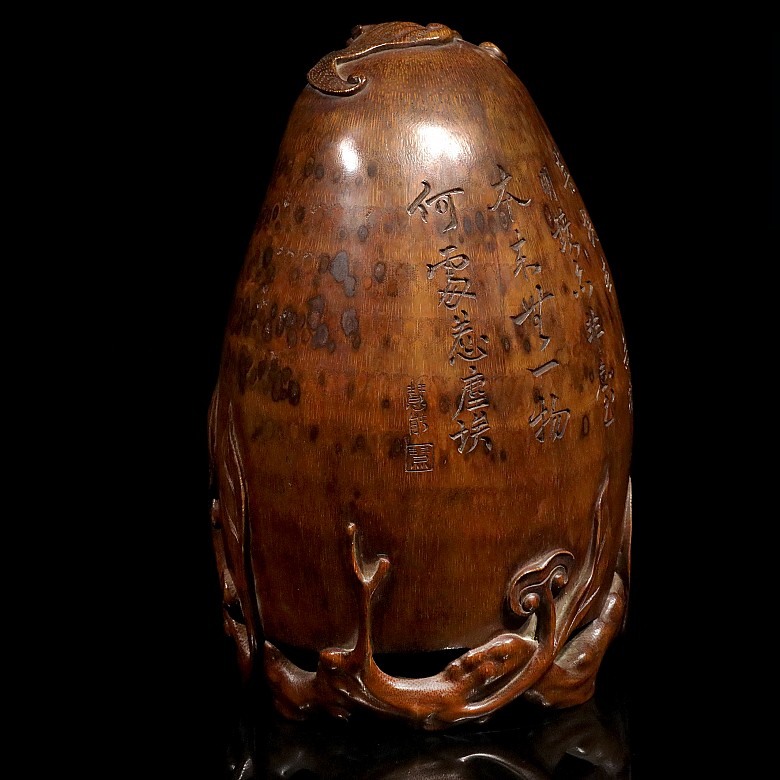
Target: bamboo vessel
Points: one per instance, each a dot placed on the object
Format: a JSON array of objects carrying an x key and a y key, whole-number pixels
[{"x": 421, "y": 431}]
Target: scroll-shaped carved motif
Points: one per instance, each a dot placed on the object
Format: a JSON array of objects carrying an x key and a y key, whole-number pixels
[
  {"x": 367, "y": 39},
  {"x": 483, "y": 679}
]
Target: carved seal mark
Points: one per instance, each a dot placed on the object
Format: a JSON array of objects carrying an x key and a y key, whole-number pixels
[{"x": 367, "y": 39}]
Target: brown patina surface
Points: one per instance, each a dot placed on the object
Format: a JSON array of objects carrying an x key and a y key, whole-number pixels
[{"x": 421, "y": 430}]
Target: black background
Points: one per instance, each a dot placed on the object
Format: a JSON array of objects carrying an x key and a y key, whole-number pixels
[{"x": 645, "y": 113}]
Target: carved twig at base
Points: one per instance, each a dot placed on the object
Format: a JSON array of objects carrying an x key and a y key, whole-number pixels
[{"x": 481, "y": 680}]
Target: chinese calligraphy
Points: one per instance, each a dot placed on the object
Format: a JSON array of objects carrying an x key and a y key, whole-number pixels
[
  {"x": 455, "y": 294},
  {"x": 419, "y": 455}
]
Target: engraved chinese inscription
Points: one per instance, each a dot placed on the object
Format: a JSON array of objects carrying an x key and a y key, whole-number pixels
[
  {"x": 562, "y": 230},
  {"x": 419, "y": 454},
  {"x": 467, "y": 345},
  {"x": 548, "y": 421}
]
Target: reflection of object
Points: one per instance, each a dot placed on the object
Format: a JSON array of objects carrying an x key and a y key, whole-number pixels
[
  {"x": 421, "y": 430},
  {"x": 587, "y": 740}
]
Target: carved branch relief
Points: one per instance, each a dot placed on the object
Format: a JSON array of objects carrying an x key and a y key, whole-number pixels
[{"x": 484, "y": 679}]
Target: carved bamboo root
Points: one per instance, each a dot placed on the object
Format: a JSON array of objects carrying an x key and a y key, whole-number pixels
[{"x": 480, "y": 681}]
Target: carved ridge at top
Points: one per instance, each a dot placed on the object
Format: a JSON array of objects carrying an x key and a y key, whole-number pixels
[{"x": 367, "y": 39}]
